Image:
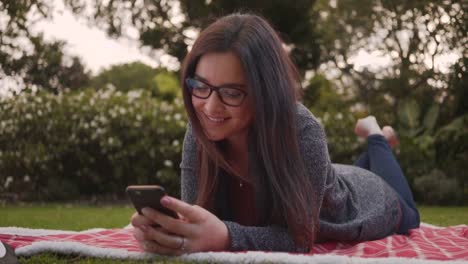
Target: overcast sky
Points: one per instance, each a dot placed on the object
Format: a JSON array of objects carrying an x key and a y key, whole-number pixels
[{"x": 91, "y": 44}]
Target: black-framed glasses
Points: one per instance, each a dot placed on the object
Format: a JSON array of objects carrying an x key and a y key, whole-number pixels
[{"x": 229, "y": 95}]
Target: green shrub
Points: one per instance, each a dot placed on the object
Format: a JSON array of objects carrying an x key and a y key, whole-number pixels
[
  {"x": 335, "y": 114},
  {"x": 425, "y": 150},
  {"x": 95, "y": 143},
  {"x": 437, "y": 188},
  {"x": 77, "y": 145}
]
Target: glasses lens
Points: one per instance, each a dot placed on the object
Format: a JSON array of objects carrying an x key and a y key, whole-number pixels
[
  {"x": 198, "y": 88},
  {"x": 231, "y": 96}
]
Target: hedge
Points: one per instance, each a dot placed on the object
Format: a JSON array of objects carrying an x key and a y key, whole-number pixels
[
  {"x": 92, "y": 144},
  {"x": 79, "y": 145}
]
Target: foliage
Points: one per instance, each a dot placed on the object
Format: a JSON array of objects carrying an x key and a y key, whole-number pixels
[
  {"x": 427, "y": 150},
  {"x": 168, "y": 86},
  {"x": 335, "y": 114},
  {"x": 451, "y": 142},
  {"x": 424, "y": 151},
  {"x": 77, "y": 145},
  {"x": 27, "y": 57},
  {"x": 125, "y": 77},
  {"x": 436, "y": 188},
  {"x": 410, "y": 35},
  {"x": 424, "y": 102},
  {"x": 457, "y": 103},
  {"x": 411, "y": 92}
]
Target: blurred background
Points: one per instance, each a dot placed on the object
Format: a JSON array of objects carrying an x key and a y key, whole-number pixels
[{"x": 90, "y": 99}]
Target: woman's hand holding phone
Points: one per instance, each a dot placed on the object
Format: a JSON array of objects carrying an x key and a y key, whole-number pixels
[{"x": 195, "y": 230}]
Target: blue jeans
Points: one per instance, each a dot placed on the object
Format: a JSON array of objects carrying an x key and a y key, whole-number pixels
[{"x": 380, "y": 160}]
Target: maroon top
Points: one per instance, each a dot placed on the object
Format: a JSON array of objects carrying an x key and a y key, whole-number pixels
[{"x": 242, "y": 201}]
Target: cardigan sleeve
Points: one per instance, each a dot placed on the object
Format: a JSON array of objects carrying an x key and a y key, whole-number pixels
[
  {"x": 265, "y": 238},
  {"x": 188, "y": 179}
]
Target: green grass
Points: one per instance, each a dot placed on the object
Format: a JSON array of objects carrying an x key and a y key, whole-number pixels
[
  {"x": 48, "y": 258},
  {"x": 73, "y": 217},
  {"x": 65, "y": 217},
  {"x": 444, "y": 216}
]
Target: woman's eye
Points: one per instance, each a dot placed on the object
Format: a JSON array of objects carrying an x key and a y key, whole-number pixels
[
  {"x": 202, "y": 88},
  {"x": 231, "y": 93}
]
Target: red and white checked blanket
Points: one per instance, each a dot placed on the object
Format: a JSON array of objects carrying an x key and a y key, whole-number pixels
[{"x": 424, "y": 243}]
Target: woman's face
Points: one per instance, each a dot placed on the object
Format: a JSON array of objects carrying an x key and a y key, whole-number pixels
[{"x": 221, "y": 121}]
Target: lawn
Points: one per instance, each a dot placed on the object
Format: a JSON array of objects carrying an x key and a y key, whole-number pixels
[{"x": 72, "y": 217}]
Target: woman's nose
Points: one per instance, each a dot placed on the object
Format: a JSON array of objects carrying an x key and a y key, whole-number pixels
[{"x": 213, "y": 102}]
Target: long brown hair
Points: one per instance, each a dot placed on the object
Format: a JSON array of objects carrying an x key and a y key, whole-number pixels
[{"x": 272, "y": 80}]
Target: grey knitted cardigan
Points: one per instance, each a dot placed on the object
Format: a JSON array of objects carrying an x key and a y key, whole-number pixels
[{"x": 355, "y": 204}]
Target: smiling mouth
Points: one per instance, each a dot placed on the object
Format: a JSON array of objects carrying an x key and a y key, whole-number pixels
[{"x": 216, "y": 119}]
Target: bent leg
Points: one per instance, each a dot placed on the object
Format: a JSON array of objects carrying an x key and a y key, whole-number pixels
[
  {"x": 363, "y": 161},
  {"x": 383, "y": 163},
  {"x": 410, "y": 217}
]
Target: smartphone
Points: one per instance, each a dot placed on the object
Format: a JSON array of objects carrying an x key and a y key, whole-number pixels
[{"x": 148, "y": 196}]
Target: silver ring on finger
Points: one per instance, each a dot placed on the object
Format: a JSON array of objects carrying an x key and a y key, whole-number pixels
[{"x": 182, "y": 245}]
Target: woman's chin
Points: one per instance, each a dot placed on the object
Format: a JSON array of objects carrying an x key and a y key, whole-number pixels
[{"x": 215, "y": 137}]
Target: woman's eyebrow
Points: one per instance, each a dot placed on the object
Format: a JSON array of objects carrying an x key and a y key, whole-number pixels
[{"x": 198, "y": 77}]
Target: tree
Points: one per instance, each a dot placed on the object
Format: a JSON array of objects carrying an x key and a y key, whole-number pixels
[
  {"x": 171, "y": 26},
  {"x": 412, "y": 35},
  {"x": 130, "y": 76},
  {"x": 126, "y": 77},
  {"x": 28, "y": 57},
  {"x": 425, "y": 102}
]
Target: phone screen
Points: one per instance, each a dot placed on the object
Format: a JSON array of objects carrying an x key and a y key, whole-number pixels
[{"x": 148, "y": 196}]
